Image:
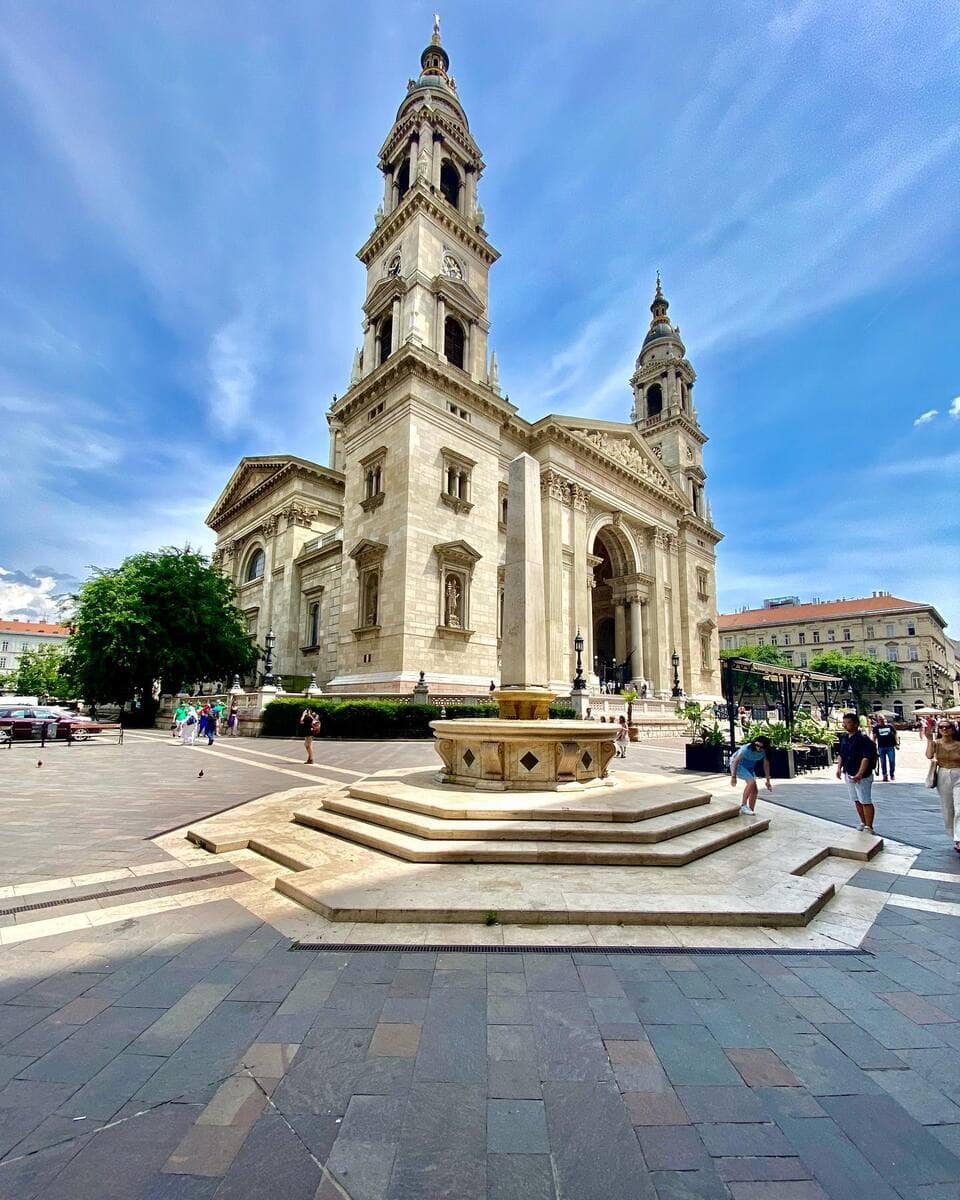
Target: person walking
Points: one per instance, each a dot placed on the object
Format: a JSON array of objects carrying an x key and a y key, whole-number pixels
[
  {"x": 213, "y": 724},
  {"x": 888, "y": 740},
  {"x": 944, "y": 753},
  {"x": 188, "y": 731},
  {"x": 179, "y": 716},
  {"x": 233, "y": 720},
  {"x": 744, "y": 766},
  {"x": 855, "y": 765},
  {"x": 309, "y": 727},
  {"x": 622, "y": 737}
]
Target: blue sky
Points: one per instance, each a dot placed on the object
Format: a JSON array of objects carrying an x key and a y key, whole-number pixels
[{"x": 185, "y": 187}]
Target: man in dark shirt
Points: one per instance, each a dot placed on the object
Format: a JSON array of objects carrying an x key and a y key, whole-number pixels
[
  {"x": 887, "y": 739},
  {"x": 855, "y": 764}
]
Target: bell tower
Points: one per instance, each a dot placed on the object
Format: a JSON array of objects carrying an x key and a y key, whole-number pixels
[{"x": 663, "y": 410}]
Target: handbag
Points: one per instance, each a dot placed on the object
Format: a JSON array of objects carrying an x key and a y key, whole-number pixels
[{"x": 932, "y": 774}]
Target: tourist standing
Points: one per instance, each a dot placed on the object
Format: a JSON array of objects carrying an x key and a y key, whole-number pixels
[
  {"x": 233, "y": 720},
  {"x": 888, "y": 740},
  {"x": 179, "y": 716},
  {"x": 309, "y": 727},
  {"x": 213, "y": 721},
  {"x": 188, "y": 731},
  {"x": 855, "y": 765},
  {"x": 744, "y": 765},
  {"x": 623, "y": 736},
  {"x": 944, "y": 750}
]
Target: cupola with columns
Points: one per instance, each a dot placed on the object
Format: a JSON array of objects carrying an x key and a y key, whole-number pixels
[{"x": 663, "y": 410}]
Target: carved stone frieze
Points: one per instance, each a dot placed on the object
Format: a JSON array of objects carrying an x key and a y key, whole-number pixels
[{"x": 624, "y": 452}]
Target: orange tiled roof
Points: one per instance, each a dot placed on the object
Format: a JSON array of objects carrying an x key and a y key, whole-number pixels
[
  {"x": 789, "y": 613},
  {"x": 46, "y": 627}
]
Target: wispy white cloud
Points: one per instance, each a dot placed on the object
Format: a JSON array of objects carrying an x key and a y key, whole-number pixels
[
  {"x": 955, "y": 407},
  {"x": 925, "y": 417},
  {"x": 232, "y": 361}
]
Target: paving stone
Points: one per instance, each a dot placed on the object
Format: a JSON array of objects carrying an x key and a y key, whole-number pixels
[
  {"x": 817, "y": 1010},
  {"x": 569, "y": 1046},
  {"x": 11, "y": 1065},
  {"x": 377, "y": 966},
  {"x": 373, "y": 1119},
  {"x": 500, "y": 984},
  {"x": 508, "y": 1010},
  {"x": 16, "y": 1018},
  {"x": 352, "y": 1006},
  {"x": 806, "y": 1189},
  {"x": 442, "y": 1151},
  {"x": 82, "y": 1010},
  {"x": 178, "y": 1022},
  {"x": 238, "y": 1101},
  {"x": 112, "y": 1087},
  {"x": 595, "y": 1153},
  {"x": 841, "y": 989},
  {"x": 630, "y": 1052},
  {"x": 824, "y": 1070},
  {"x": 727, "y": 1025},
  {"x": 600, "y": 981},
  {"x": 333, "y": 1046},
  {"x": 292, "y": 1028},
  {"x": 551, "y": 973},
  {"x": 513, "y": 1080},
  {"x": 412, "y": 984},
  {"x": 858, "y": 1045},
  {"x": 725, "y": 1103},
  {"x": 909, "y": 974},
  {"x": 403, "y": 1011},
  {"x": 695, "y": 985},
  {"x": 58, "y": 990},
  {"x": 511, "y": 1043},
  {"x": 90, "y": 1047},
  {"x": 655, "y": 1108},
  {"x": 672, "y": 1148},
  {"x": 612, "y": 1010},
  {"x": 705, "y": 1184},
  {"x": 837, "y": 1165},
  {"x": 893, "y": 1030},
  {"x": 25, "y": 1178},
  {"x": 360, "y": 1170},
  {"x": 164, "y": 987},
  {"x": 916, "y": 1008},
  {"x": 761, "y": 1068},
  {"x": 181, "y": 1187},
  {"x": 725, "y": 1140},
  {"x": 751, "y": 1170},
  {"x": 207, "y": 1150},
  {"x": 901, "y": 1149},
  {"x": 520, "y": 1177},
  {"x": 947, "y": 1135},
  {"x": 516, "y": 1127},
  {"x": 661, "y": 1003},
  {"x": 272, "y": 1162},
  {"x": 395, "y": 1041},
  {"x": 622, "y": 1031},
  {"x": 690, "y": 1055},
  {"x": 456, "y": 979},
  {"x": 453, "y": 1040},
  {"x": 309, "y": 992}
]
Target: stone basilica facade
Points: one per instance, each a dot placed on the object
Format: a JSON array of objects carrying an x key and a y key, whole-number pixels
[{"x": 388, "y": 561}]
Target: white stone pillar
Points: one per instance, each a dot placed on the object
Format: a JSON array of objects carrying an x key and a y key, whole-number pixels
[
  {"x": 414, "y": 156},
  {"x": 437, "y": 155},
  {"x": 395, "y": 329},
  {"x": 582, "y": 618},
  {"x": 552, "y": 489},
  {"x": 388, "y": 190},
  {"x": 369, "y": 348},
  {"x": 620, "y": 631},
  {"x": 471, "y": 189},
  {"x": 636, "y": 638},
  {"x": 659, "y": 627}
]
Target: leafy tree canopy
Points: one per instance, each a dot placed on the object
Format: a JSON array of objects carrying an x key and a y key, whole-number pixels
[
  {"x": 865, "y": 675},
  {"x": 763, "y": 654},
  {"x": 40, "y": 672},
  {"x": 165, "y": 615}
]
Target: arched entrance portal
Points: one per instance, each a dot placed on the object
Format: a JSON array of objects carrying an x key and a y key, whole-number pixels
[{"x": 618, "y": 655}]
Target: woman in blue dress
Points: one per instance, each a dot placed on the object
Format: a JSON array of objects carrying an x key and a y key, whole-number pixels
[{"x": 744, "y": 765}]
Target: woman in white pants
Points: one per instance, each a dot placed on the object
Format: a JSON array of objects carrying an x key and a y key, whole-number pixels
[
  {"x": 188, "y": 730},
  {"x": 945, "y": 750}
]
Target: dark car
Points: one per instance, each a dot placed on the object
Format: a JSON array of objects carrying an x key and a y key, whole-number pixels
[{"x": 26, "y": 722}]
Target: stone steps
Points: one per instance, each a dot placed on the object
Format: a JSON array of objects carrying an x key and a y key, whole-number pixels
[
  {"x": 677, "y": 851},
  {"x": 659, "y": 827}
]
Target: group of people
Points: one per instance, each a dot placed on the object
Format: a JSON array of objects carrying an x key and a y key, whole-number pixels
[{"x": 191, "y": 722}]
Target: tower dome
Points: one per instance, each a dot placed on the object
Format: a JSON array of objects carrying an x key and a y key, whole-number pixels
[{"x": 661, "y": 329}]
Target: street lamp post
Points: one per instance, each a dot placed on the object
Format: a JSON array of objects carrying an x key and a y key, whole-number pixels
[
  {"x": 675, "y": 660},
  {"x": 579, "y": 683},
  {"x": 270, "y": 642}
]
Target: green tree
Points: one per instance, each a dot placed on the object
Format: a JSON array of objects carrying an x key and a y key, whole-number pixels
[
  {"x": 753, "y": 685},
  {"x": 164, "y": 616},
  {"x": 40, "y": 672},
  {"x": 864, "y": 675}
]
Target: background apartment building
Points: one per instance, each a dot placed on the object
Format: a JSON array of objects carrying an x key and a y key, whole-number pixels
[
  {"x": 17, "y": 636},
  {"x": 881, "y": 626}
]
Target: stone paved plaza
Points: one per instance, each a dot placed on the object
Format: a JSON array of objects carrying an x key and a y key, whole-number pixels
[{"x": 172, "y": 1043}]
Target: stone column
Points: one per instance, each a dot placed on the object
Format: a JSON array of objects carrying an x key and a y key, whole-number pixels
[
  {"x": 552, "y": 493},
  {"x": 620, "y": 631},
  {"x": 659, "y": 629},
  {"x": 369, "y": 347},
  {"x": 395, "y": 330},
  {"x": 437, "y": 155},
  {"x": 414, "y": 155},
  {"x": 387, "y": 190},
  {"x": 582, "y": 617},
  {"x": 471, "y": 189},
  {"x": 636, "y": 638},
  {"x": 441, "y": 318}
]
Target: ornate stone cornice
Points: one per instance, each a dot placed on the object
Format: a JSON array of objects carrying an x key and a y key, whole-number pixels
[
  {"x": 421, "y": 199},
  {"x": 219, "y": 518},
  {"x": 554, "y": 486},
  {"x": 701, "y": 528}
]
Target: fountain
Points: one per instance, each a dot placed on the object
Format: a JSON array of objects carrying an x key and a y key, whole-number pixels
[{"x": 523, "y": 749}]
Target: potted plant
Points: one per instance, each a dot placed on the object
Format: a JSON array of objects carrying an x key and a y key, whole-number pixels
[
  {"x": 630, "y": 694},
  {"x": 782, "y": 764},
  {"x": 707, "y": 751}
]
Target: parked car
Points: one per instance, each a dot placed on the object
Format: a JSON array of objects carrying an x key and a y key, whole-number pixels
[{"x": 23, "y": 722}]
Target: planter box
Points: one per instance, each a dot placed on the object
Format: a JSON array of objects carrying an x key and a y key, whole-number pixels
[
  {"x": 782, "y": 764},
  {"x": 700, "y": 757}
]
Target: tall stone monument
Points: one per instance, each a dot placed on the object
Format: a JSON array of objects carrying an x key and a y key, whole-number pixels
[{"x": 523, "y": 693}]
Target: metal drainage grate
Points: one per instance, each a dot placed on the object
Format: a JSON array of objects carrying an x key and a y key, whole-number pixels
[
  {"x": 141, "y": 887},
  {"x": 667, "y": 951}
]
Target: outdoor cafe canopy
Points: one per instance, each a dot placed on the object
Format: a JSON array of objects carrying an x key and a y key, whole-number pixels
[{"x": 793, "y": 684}]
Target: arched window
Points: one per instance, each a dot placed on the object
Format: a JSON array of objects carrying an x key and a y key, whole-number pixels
[
  {"x": 450, "y": 183},
  {"x": 503, "y": 511},
  {"x": 654, "y": 400},
  {"x": 403, "y": 179},
  {"x": 256, "y": 565},
  {"x": 453, "y": 342},
  {"x": 370, "y": 598},
  {"x": 385, "y": 339},
  {"x": 313, "y": 623}
]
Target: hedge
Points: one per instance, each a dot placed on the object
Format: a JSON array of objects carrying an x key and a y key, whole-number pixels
[{"x": 372, "y": 718}]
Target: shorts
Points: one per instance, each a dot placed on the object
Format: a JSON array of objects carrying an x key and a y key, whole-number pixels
[{"x": 745, "y": 774}]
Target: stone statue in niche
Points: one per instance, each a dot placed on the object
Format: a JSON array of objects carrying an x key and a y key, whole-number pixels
[
  {"x": 371, "y": 597},
  {"x": 453, "y": 603}
]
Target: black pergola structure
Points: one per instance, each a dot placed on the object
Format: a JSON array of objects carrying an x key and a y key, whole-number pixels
[{"x": 792, "y": 684}]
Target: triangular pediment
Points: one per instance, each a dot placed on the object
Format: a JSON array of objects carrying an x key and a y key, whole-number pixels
[
  {"x": 255, "y": 475},
  {"x": 622, "y": 445},
  {"x": 458, "y": 293}
]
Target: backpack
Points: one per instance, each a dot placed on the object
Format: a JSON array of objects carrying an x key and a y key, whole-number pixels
[{"x": 315, "y": 725}]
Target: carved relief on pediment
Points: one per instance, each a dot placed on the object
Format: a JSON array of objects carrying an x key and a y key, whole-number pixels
[{"x": 624, "y": 452}]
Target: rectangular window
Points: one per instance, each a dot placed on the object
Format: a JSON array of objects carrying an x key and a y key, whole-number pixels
[
  {"x": 456, "y": 411},
  {"x": 702, "y": 590},
  {"x": 846, "y": 635},
  {"x": 830, "y": 637},
  {"x": 788, "y": 655},
  {"x": 3, "y": 662},
  {"x": 913, "y": 654},
  {"x": 455, "y": 481},
  {"x": 773, "y": 640},
  {"x": 816, "y": 635},
  {"x": 872, "y": 651},
  {"x": 911, "y": 629},
  {"x": 5, "y": 646},
  {"x": 802, "y": 639},
  {"x": 786, "y": 639},
  {"x": 759, "y": 641},
  {"x": 891, "y": 654},
  {"x": 891, "y": 630},
  {"x": 916, "y": 681},
  {"x": 728, "y": 643},
  {"x": 803, "y": 658},
  {"x": 741, "y": 642}
]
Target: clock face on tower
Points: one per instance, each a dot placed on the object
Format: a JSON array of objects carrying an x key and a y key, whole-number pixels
[
  {"x": 451, "y": 268},
  {"x": 393, "y": 266}
]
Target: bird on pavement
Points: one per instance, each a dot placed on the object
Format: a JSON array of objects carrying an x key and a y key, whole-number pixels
[
  {"x": 39, "y": 762},
  {"x": 200, "y": 776}
]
